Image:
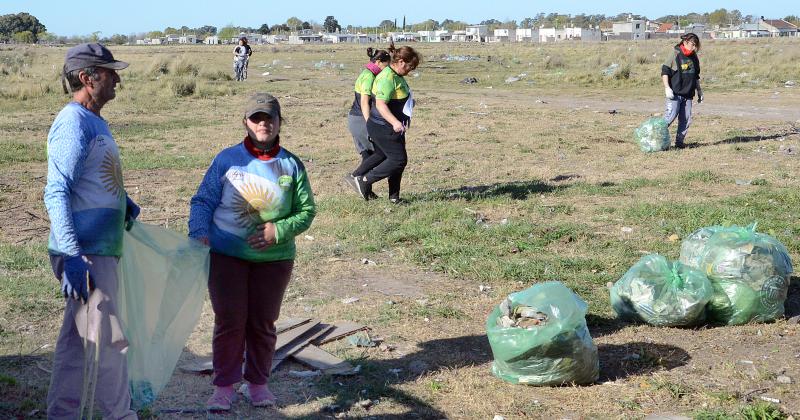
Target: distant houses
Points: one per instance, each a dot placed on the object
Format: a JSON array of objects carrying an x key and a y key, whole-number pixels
[{"x": 630, "y": 29}]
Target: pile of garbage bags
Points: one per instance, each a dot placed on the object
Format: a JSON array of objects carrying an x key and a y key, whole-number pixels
[
  {"x": 653, "y": 135},
  {"x": 729, "y": 275},
  {"x": 748, "y": 270},
  {"x": 662, "y": 293},
  {"x": 539, "y": 337}
]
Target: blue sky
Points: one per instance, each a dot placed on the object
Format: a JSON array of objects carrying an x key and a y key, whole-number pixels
[{"x": 65, "y": 17}]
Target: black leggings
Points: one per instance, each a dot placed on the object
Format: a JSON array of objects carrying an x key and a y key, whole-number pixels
[{"x": 389, "y": 159}]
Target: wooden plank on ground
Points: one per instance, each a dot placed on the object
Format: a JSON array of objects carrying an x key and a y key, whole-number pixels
[
  {"x": 297, "y": 344},
  {"x": 340, "y": 330},
  {"x": 317, "y": 358},
  {"x": 288, "y": 336},
  {"x": 289, "y": 323}
]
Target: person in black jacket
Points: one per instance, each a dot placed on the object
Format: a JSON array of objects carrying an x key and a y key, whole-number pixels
[{"x": 681, "y": 76}]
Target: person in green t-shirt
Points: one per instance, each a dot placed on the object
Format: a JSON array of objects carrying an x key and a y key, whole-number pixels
[
  {"x": 359, "y": 111},
  {"x": 388, "y": 122}
]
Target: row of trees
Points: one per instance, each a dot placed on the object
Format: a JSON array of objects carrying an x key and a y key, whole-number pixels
[
  {"x": 26, "y": 28},
  {"x": 20, "y": 27}
]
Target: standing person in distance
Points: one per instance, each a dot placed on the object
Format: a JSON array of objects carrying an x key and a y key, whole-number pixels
[
  {"x": 388, "y": 121},
  {"x": 254, "y": 199},
  {"x": 359, "y": 111},
  {"x": 681, "y": 77},
  {"x": 88, "y": 208},
  {"x": 241, "y": 58}
]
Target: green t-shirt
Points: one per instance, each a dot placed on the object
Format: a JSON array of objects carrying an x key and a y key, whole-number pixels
[
  {"x": 363, "y": 87},
  {"x": 391, "y": 88}
]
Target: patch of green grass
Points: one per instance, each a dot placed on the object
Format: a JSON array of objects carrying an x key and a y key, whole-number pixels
[
  {"x": 706, "y": 414},
  {"x": 21, "y": 258},
  {"x": 172, "y": 159},
  {"x": 700, "y": 176},
  {"x": 676, "y": 390},
  {"x": 17, "y": 152},
  {"x": 762, "y": 410}
]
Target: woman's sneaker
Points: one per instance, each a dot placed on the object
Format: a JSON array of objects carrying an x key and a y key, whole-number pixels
[
  {"x": 363, "y": 187},
  {"x": 260, "y": 395},
  {"x": 222, "y": 398}
]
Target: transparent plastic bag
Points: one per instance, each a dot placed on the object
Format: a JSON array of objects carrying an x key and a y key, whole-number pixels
[
  {"x": 555, "y": 352},
  {"x": 661, "y": 293},
  {"x": 693, "y": 245},
  {"x": 163, "y": 281},
  {"x": 750, "y": 273},
  {"x": 653, "y": 135}
]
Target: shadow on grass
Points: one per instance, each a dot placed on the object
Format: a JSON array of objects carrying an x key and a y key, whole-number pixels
[
  {"x": 23, "y": 386},
  {"x": 792, "y": 304},
  {"x": 618, "y": 361},
  {"x": 600, "y": 326},
  {"x": 378, "y": 380},
  {"x": 743, "y": 139},
  {"x": 517, "y": 190}
]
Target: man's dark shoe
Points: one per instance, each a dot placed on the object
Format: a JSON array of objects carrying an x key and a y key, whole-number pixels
[
  {"x": 372, "y": 196},
  {"x": 396, "y": 200},
  {"x": 680, "y": 145}
]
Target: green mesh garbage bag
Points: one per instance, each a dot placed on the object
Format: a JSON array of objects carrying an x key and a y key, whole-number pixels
[
  {"x": 661, "y": 293},
  {"x": 693, "y": 245},
  {"x": 653, "y": 135},
  {"x": 750, "y": 274},
  {"x": 553, "y": 345},
  {"x": 163, "y": 277}
]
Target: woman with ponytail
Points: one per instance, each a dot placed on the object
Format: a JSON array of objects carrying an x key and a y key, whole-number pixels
[
  {"x": 359, "y": 111},
  {"x": 387, "y": 124}
]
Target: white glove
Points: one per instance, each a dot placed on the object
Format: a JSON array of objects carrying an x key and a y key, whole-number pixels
[{"x": 668, "y": 93}]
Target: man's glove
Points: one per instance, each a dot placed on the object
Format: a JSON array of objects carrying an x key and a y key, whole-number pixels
[
  {"x": 131, "y": 212},
  {"x": 699, "y": 95},
  {"x": 668, "y": 93},
  {"x": 76, "y": 280}
]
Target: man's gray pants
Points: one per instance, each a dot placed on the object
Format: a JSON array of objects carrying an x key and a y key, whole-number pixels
[
  {"x": 680, "y": 108},
  {"x": 96, "y": 323}
]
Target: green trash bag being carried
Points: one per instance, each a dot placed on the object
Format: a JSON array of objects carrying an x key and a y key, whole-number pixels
[
  {"x": 539, "y": 337},
  {"x": 163, "y": 277},
  {"x": 653, "y": 135},
  {"x": 661, "y": 293},
  {"x": 750, "y": 274}
]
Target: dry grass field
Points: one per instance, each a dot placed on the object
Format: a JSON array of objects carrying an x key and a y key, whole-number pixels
[{"x": 508, "y": 184}]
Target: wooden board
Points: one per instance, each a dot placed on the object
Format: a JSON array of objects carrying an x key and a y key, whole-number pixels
[
  {"x": 340, "y": 330},
  {"x": 284, "y": 352},
  {"x": 288, "y": 336},
  {"x": 317, "y": 358},
  {"x": 289, "y": 323}
]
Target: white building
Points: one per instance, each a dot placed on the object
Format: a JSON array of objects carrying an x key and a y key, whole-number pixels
[
  {"x": 211, "y": 40},
  {"x": 505, "y": 35},
  {"x": 477, "y": 33},
  {"x": 527, "y": 35},
  {"x": 633, "y": 28},
  {"x": 187, "y": 39},
  {"x": 434, "y": 36}
]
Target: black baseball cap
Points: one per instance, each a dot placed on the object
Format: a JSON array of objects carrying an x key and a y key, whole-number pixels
[{"x": 91, "y": 55}]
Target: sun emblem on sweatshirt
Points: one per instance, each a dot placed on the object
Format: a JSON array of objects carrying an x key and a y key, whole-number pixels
[
  {"x": 253, "y": 204},
  {"x": 111, "y": 174}
]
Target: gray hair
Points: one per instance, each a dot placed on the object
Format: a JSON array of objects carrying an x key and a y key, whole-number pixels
[{"x": 72, "y": 83}]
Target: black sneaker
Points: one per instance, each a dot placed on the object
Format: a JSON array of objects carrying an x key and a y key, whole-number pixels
[
  {"x": 680, "y": 145},
  {"x": 350, "y": 180},
  {"x": 372, "y": 195},
  {"x": 363, "y": 187},
  {"x": 396, "y": 200}
]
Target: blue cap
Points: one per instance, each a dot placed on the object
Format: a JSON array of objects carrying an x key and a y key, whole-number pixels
[{"x": 91, "y": 55}]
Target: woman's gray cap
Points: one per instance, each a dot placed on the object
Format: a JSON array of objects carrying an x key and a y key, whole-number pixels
[
  {"x": 91, "y": 55},
  {"x": 262, "y": 102}
]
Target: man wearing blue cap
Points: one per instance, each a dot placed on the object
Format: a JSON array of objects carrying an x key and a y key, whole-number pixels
[{"x": 88, "y": 208}]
